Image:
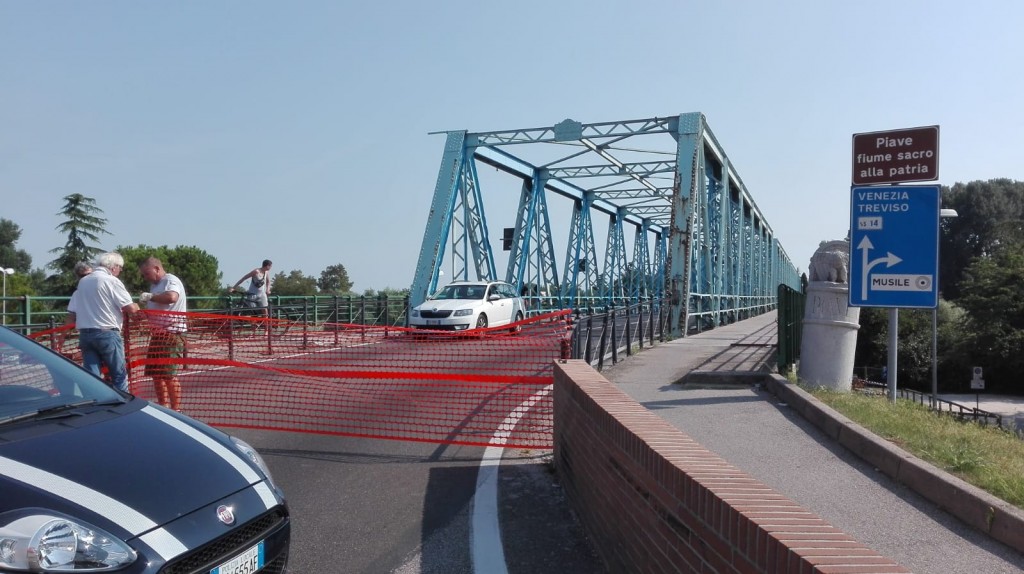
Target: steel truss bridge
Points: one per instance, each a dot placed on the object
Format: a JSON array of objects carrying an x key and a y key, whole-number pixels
[{"x": 698, "y": 241}]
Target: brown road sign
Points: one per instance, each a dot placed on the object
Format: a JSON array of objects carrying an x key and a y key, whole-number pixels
[{"x": 896, "y": 156}]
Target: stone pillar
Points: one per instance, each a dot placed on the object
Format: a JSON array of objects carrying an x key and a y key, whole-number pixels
[{"x": 829, "y": 339}]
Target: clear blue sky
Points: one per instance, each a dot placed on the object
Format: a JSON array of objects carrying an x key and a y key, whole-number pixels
[{"x": 298, "y": 131}]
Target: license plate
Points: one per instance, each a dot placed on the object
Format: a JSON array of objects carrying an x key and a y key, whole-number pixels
[
  {"x": 245, "y": 563},
  {"x": 433, "y": 322}
]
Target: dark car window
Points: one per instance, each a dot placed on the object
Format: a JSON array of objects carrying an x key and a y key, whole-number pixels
[{"x": 32, "y": 377}]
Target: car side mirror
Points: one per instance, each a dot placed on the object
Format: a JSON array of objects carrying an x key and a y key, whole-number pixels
[{"x": 493, "y": 297}]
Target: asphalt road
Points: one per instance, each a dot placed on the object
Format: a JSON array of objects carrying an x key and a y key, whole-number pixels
[{"x": 375, "y": 506}]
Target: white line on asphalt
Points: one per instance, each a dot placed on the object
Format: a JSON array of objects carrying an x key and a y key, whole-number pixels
[{"x": 485, "y": 531}]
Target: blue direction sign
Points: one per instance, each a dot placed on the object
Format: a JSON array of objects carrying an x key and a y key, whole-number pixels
[{"x": 894, "y": 246}]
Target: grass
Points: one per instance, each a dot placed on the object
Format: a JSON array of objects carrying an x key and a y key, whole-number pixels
[{"x": 987, "y": 457}]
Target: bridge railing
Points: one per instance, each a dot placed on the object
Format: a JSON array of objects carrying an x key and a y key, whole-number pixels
[
  {"x": 708, "y": 311},
  {"x": 33, "y": 313},
  {"x": 605, "y": 334}
]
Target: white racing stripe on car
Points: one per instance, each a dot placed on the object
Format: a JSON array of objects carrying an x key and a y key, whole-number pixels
[
  {"x": 124, "y": 516},
  {"x": 266, "y": 494},
  {"x": 166, "y": 545},
  {"x": 231, "y": 457}
]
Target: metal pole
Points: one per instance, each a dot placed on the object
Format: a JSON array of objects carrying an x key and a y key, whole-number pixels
[
  {"x": 943, "y": 213},
  {"x": 894, "y": 332},
  {"x": 7, "y": 271},
  {"x": 935, "y": 356}
]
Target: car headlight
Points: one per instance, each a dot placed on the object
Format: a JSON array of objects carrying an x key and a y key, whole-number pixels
[
  {"x": 254, "y": 456},
  {"x": 462, "y": 312},
  {"x": 45, "y": 542},
  {"x": 414, "y": 313}
]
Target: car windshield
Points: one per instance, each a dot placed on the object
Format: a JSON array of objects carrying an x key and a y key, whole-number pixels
[
  {"x": 33, "y": 379},
  {"x": 461, "y": 292}
]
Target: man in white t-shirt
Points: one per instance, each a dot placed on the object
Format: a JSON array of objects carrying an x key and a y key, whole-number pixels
[
  {"x": 167, "y": 329},
  {"x": 97, "y": 309}
]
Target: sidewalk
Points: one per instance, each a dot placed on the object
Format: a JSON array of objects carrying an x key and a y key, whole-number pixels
[{"x": 703, "y": 385}]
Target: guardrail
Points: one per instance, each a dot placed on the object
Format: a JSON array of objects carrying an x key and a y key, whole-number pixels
[
  {"x": 943, "y": 406},
  {"x": 961, "y": 412}
]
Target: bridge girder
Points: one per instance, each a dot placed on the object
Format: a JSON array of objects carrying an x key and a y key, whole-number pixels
[{"x": 715, "y": 257}]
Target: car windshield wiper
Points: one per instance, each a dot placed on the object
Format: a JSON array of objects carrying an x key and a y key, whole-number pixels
[{"x": 64, "y": 409}]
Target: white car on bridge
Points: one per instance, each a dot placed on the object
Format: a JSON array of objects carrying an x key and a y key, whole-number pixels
[{"x": 464, "y": 305}]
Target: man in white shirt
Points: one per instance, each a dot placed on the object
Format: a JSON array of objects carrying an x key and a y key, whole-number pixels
[
  {"x": 97, "y": 309},
  {"x": 167, "y": 334}
]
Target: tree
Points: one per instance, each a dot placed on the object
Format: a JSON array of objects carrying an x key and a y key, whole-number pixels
[
  {"x": 293, "y": 284},
  {"x": 954, "y": 347},
  {"x": 915, "y": 344},
  {"x": 334, "y": 280},
  {"x": 388, "y": 292},
  {"x": 82, "y": 224},
  {"x": 197, "y": 269},
  {"x": 992, "y": 294},
  {"x": 990, "y": 214},
  {"x": 11, "y": 256}
]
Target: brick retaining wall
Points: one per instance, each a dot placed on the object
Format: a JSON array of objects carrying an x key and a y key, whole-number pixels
[{"x": 651, "y": 499}]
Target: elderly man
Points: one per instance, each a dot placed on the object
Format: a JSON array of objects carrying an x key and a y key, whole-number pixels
[
  {"x": 98, "y": 309},
  {"x": 82, "y": 269},
  {"x": 167, "y": 336}
]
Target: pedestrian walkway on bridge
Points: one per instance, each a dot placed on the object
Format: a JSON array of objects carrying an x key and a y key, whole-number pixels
[{"x": 705, "y": 386}]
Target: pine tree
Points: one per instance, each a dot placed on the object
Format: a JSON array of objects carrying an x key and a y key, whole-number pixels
[{"x": 83, "y": 225}]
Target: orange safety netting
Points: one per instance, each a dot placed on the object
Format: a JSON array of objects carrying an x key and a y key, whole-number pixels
[{"x": 482, "y": 387}]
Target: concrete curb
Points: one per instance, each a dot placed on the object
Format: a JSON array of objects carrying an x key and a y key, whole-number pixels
[{"x": 979, "y": 509}]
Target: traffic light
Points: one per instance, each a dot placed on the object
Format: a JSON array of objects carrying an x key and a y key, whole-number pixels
[{"x": 506, "y": 239}]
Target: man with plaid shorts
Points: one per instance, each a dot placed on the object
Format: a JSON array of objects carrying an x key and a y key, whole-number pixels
[{"x": 167, "y": 330}]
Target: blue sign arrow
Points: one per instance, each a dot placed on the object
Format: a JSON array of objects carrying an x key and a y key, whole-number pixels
[{"x": 897, "y": 226}]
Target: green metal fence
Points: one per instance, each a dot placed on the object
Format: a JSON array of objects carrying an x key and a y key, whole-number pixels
[
  {"x": 790, "y": 321},
  {"x": 30, "y": 313}
]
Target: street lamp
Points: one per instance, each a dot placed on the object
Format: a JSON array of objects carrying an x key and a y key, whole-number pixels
[
  {"x": 943, "y": 213},
  {"x": 6, "y": 271}
]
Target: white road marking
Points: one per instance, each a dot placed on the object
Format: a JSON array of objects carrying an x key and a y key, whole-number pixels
[{"x": 485, "y": 531}]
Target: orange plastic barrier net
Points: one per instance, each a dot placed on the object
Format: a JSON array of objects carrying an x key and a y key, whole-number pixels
[{"x": 482, "y": 387}]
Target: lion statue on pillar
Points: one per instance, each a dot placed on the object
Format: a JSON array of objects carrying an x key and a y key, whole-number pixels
[{"x": 831, "y": 262}]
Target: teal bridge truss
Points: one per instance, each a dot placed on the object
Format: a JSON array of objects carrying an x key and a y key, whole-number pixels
[{"x": 698, "y": 241}]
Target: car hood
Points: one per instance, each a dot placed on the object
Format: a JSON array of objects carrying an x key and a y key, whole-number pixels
[{"x": 127, "y": 469}]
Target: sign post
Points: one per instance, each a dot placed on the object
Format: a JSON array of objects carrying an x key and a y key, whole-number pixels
[{"x": 977, "y": 383}]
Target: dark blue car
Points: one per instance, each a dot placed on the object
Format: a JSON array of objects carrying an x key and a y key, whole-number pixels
[{"x": 95, "y": 480}]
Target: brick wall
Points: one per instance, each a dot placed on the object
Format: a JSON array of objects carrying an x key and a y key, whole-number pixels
[{"x": 653, "y": 500}]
